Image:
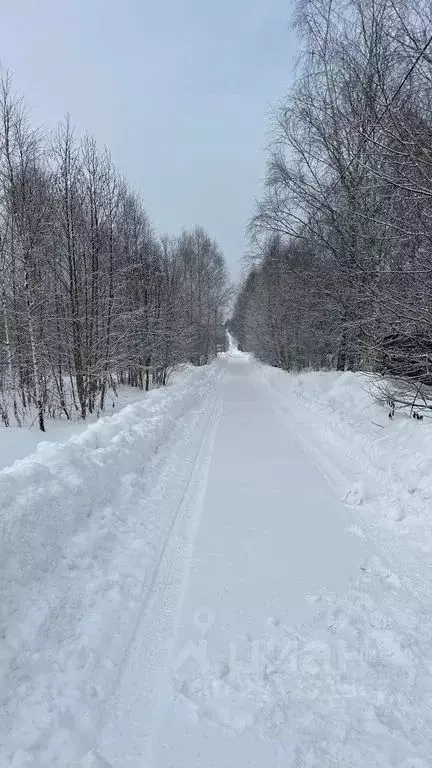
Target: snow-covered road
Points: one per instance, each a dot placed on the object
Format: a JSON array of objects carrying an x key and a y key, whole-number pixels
[
  {"x": 271, "y": 536},
  {"x": 226, "y": 575}
]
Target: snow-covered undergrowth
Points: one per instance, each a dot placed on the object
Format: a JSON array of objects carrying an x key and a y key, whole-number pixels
[
  {"x": 76, "y": 544},
  {"x": 354, "y": 687},
  {"x": 16, "y": 442}
]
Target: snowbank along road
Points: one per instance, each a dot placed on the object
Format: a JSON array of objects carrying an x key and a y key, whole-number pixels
[{"x": 218, "y": 590}]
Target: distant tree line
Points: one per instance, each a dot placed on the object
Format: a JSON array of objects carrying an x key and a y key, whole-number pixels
[
  {"x": 90, "y": 297},
  {"x": 342, "y": 263}
]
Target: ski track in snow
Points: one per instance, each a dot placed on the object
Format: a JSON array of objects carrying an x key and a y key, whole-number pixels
[{"x": 242, "y": 577}]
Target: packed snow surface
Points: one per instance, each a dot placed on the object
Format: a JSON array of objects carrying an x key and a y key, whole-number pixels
[{"x": 235, "y": 571}]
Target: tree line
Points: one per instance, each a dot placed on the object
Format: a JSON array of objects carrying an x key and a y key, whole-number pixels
[
  {"x": 341, "y": 274},
  {"x": 91, "y": 298}
]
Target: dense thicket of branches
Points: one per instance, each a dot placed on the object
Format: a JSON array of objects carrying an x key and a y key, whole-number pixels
[
  {"x": 344, "y": 232},
  {"x": 89, "y": 296}
]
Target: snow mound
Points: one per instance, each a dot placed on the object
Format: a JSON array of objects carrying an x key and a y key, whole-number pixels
[{"x": 355, "y": 495}]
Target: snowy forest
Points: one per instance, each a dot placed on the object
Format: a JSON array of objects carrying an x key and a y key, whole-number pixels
[
  {"x": 91, "y": 297},
  {"x": 340, "y": 272}
]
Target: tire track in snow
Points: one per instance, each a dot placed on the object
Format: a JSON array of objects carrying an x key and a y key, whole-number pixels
[{"x": 141, "y": 684}]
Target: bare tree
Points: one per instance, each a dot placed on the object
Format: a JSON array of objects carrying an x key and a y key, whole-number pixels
[
  {"x": 91, "y": 298},
  {"x": 348, "y": 191}
]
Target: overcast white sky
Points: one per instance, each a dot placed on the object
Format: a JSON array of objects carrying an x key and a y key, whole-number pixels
[{"x": 179, "y": 90}]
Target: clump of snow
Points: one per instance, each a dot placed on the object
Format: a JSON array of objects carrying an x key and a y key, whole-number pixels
[
  {"x": 93, "y": 760},
  {"x": 354, "y": 495}
]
